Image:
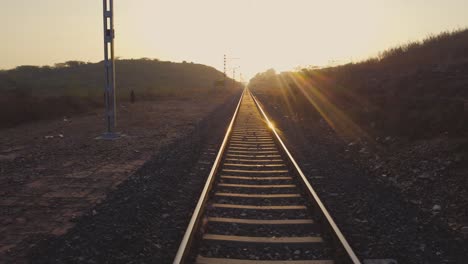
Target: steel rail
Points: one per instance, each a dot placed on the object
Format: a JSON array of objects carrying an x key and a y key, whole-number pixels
[
  {"x": 198, "y": 212},
  {"x": 311, "y": 190}
]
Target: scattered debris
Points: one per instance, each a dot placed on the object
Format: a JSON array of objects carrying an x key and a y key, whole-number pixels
[
  {"x": 464, "y": 230},
  {"x": 425, "y": 175},
  {"x": 380, "y": 261}
]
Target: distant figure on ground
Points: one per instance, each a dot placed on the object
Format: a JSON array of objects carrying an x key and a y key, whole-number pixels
[{"x": 132, "y": 97}]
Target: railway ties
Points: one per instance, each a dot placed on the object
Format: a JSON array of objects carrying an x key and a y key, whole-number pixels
[{"x": 256, "y": 210}]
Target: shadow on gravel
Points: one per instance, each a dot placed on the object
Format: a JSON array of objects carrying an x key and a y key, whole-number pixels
[{"x": 143, "y": 220}]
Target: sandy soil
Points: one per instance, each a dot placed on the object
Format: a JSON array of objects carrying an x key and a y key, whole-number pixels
[{"x": 52, "y": 172}]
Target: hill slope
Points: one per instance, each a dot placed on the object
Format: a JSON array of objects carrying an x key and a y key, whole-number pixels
[
  {"x": 397, "y": 158},
  {"x": 31, "y": 93},
  {"x": 416, "y": 90}
]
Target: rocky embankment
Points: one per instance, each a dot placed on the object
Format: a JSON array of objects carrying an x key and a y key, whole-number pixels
[{"x": 392, "y": 197}]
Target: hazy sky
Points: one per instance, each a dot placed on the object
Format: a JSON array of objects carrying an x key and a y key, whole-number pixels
[{"x": 282, "y": 34}]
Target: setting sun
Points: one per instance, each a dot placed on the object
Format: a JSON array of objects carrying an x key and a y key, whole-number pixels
[{"x": 263, "y": 34}]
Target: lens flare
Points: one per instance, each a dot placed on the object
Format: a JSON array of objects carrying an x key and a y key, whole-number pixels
[{"x": 298, "y": 86}]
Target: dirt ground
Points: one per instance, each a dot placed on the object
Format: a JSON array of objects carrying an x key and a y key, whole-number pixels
[
  {"x": 53, "y": 172},
  {"x": 69, "y": 198}
]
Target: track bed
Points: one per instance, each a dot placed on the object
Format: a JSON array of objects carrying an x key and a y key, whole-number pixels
[{"x": 255, "y": 207}]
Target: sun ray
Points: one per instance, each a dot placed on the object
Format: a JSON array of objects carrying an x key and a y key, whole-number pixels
[{"x": 322, "y": 100}]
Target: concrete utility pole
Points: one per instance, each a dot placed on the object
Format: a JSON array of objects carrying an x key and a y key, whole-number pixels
[
  {"x": 225, "y": 80},
  {"x": 234, "y": 76},
  {"x": 110, "y": 115},
  {"x": 225, "y": 70}
]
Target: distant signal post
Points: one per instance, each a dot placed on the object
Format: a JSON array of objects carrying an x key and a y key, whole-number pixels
[
  {"x": 233, "y": 71},
  {"x": 225, "y": 79},
  {"x": 109, "y": 64}
]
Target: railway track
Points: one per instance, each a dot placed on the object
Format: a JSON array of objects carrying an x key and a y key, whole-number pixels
[{"x": 257, "y": 206}]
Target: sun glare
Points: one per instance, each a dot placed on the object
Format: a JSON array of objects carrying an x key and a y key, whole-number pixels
[{"x": 298, "y": 85}]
